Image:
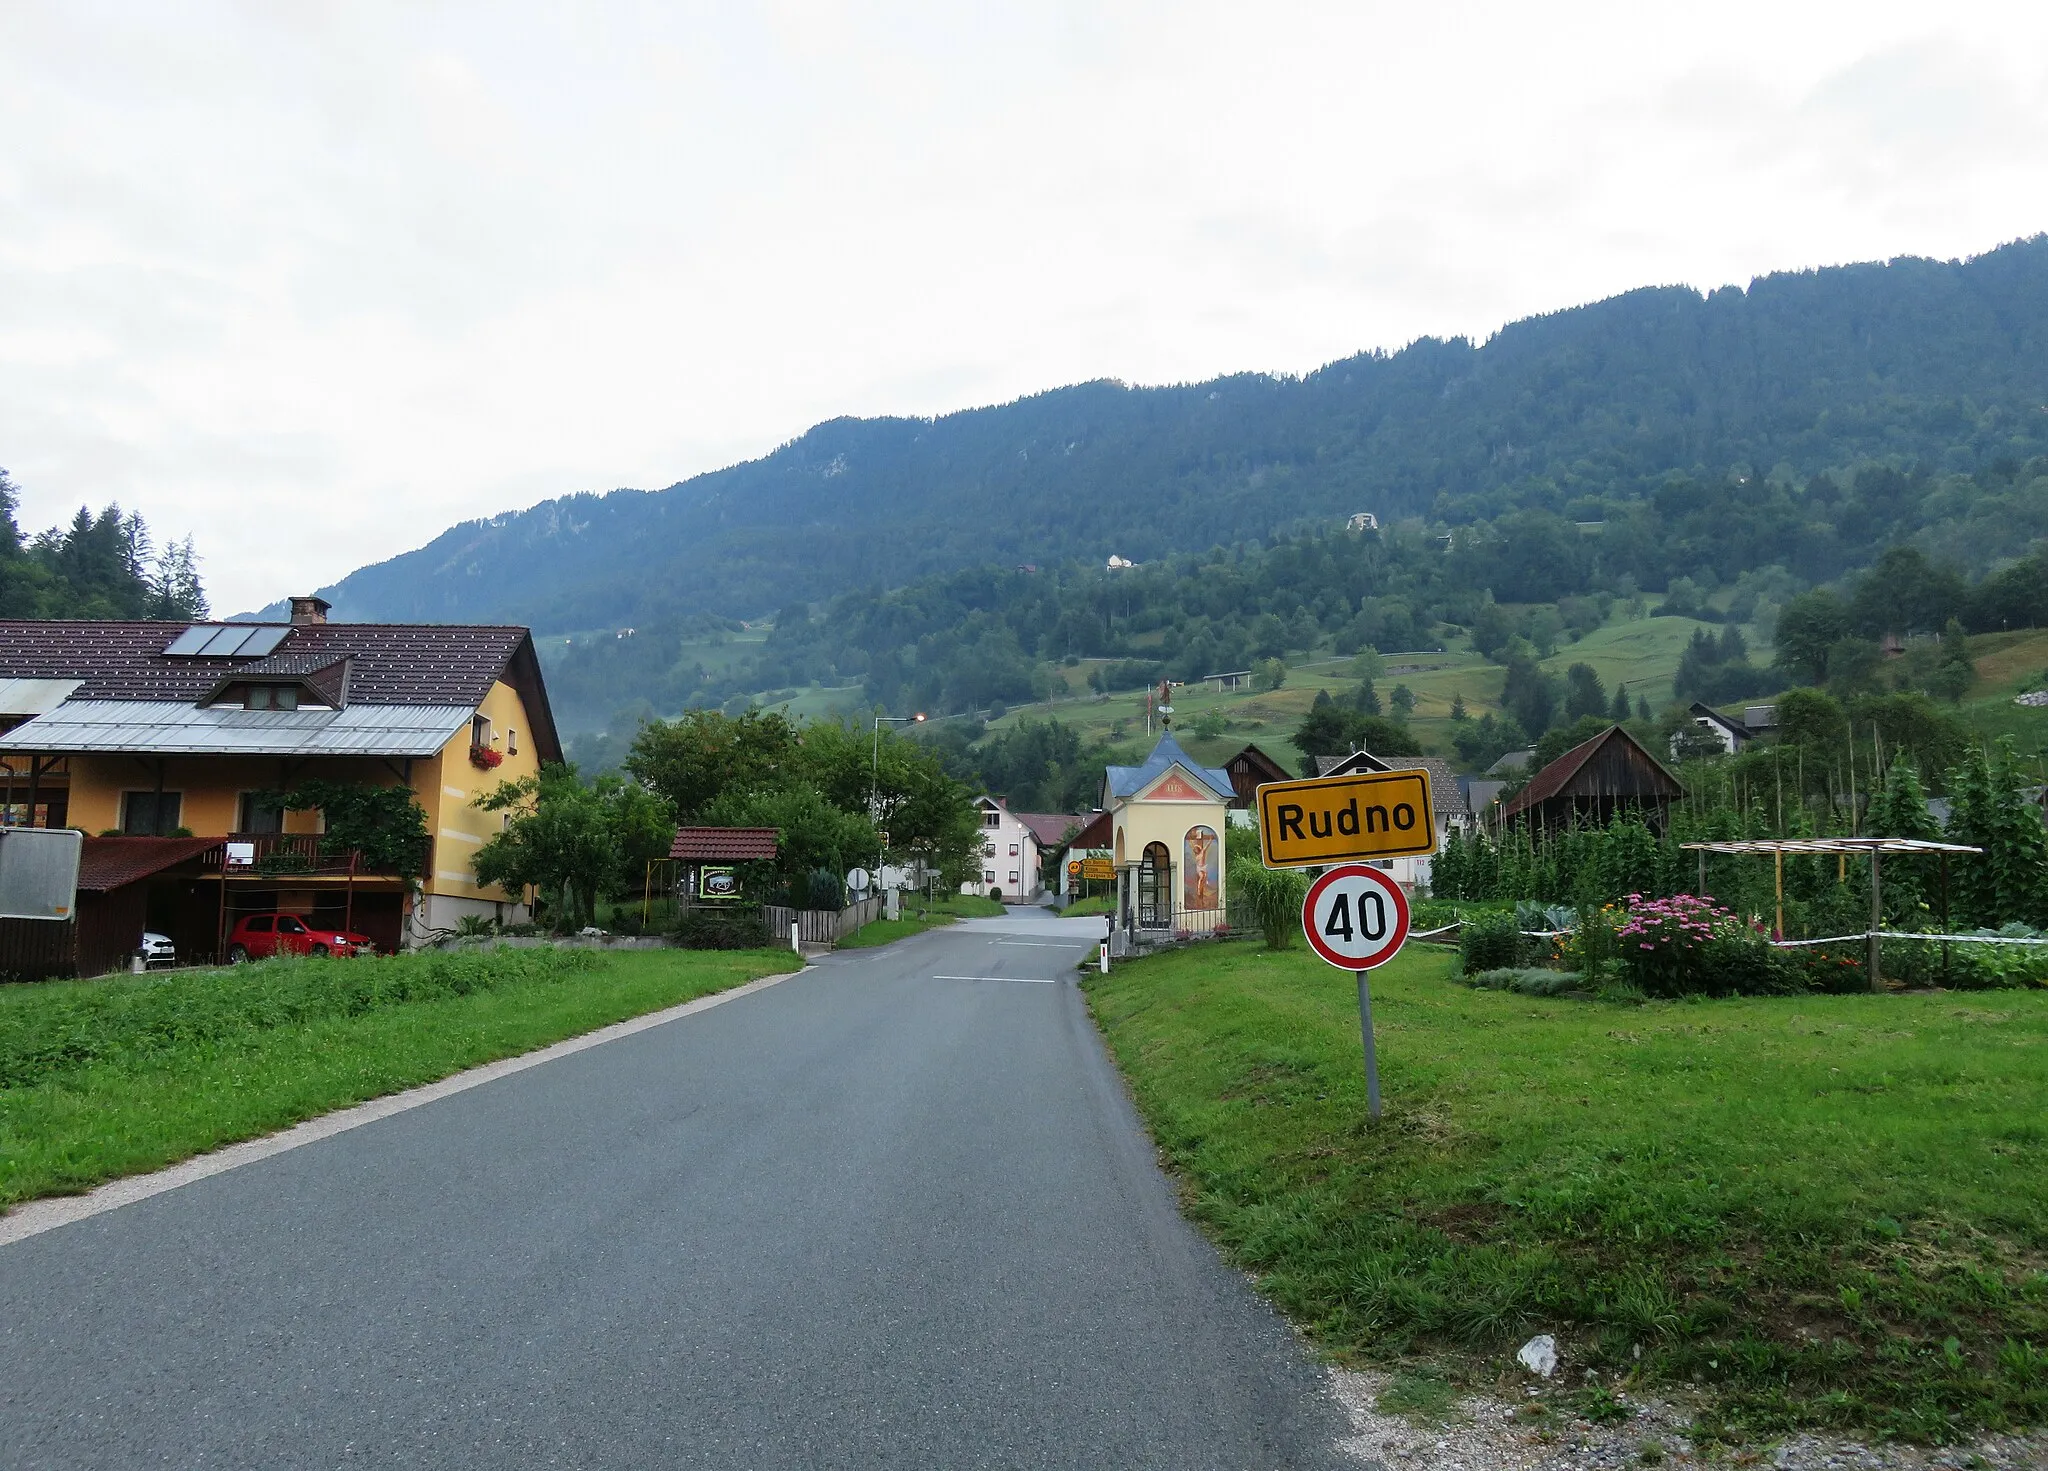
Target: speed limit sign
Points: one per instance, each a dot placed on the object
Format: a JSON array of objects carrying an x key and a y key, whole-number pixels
[{"x": 1355, "y": 917}]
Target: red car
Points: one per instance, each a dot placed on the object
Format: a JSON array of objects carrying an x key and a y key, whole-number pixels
[{"x": 260, "y": 936}]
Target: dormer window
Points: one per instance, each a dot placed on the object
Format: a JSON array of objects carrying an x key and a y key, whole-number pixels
[{"x": 271, "y": 697}]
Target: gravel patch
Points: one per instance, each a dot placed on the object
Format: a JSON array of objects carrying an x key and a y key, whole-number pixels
[{"x": 1496, "y": 1432}]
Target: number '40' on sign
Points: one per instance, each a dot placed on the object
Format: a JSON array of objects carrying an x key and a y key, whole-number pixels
[{"x": 1355, "y": 917}]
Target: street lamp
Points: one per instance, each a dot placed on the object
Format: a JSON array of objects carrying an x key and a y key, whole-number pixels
[{"x": 875, "y": 783}]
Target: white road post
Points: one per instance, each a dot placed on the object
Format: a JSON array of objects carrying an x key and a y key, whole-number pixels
[{"x": 796, "y": 930}]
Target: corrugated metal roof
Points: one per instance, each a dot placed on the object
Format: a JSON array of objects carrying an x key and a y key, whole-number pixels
[
  {"x": 173, "y": 728},
  {"x": 34, "y": 696}
]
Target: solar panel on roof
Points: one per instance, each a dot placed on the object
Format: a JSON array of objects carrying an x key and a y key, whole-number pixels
[
  {"x": 263, "y": 640},
  {"x": 227, "y": 641},
  {"x": 193, "y": 639}
]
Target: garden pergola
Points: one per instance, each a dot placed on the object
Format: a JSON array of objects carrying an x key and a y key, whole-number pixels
[{"x": 1874, "y": 848}]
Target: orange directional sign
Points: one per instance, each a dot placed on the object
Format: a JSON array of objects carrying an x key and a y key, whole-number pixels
[{"x": 1338, "y": 819}]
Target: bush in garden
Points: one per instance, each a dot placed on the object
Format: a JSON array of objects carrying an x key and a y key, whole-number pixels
[
  {"x": 740, "y": 927},
  {"x": 1528, "y": 981},
  {"x": 1689, "y": 946},
  {"x": 1970, "y": 967},
  {"x": 1838, "y": 970},
  {"x": 1490, "y": 942}
]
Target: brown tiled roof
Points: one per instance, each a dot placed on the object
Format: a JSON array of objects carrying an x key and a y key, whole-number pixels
[
  {"x": 112, "y": 863},
  {"x": 1050, "y": 828},
  {"x": 723, "y": 844},
  {"x": 1553, "y": 778},
  {"x": 390, "y": 663}
]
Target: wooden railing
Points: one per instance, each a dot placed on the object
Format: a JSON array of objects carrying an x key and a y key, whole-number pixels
[{"x": 290, "y": 855}]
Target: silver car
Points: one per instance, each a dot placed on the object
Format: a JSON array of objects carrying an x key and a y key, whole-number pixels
[{"x": 157, "y": 950}]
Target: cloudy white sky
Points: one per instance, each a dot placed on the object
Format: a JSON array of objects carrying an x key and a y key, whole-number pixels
[{"x": 313, "y": 281}]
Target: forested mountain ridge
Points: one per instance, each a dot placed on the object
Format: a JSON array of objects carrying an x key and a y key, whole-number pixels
[{"x": 1939, "y": 364}]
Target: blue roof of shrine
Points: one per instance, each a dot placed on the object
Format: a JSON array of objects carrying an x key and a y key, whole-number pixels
[{"x": 1127, "y": 781}]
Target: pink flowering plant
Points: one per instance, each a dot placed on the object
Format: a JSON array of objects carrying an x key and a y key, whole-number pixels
[{"x": 1685, "y": 945}]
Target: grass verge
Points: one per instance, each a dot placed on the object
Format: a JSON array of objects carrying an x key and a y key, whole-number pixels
[
  {"x": 105, "y": 1078},
  {"x": 888, "y": 931},
  {"x": 1821, "y": 1211}
]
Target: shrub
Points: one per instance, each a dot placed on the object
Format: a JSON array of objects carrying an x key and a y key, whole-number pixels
[
  {"x": 740, "y": 927},
  {"x": 1490, "y": 942},
  {"x": 1970, "y": 967},
  {"x": 1273, "y": 896},
  {"x": 1834, "y": 970},
  {"x": 1689, "y": 946},
  {"x": 1528, "y": 981}
]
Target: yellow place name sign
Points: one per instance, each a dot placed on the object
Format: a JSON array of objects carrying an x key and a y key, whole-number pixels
[{"x": 1334, "y": 819}]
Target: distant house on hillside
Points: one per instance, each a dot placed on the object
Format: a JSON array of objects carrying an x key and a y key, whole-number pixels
[
  {"x": 1732, "y": 734},
  {"x": 1613, "y": 772},
  {"x": 1362, "y": 521},
  {"x": 1512, "y": 763}
]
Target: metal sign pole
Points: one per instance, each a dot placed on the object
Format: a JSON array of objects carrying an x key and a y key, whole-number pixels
[{"x": 1372, "y": 1060}]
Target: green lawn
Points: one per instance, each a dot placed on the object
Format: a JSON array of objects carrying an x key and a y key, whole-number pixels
[
  {"x": 888, "y": 931},
  {"x": 114, "y": 1077},
  {"x": 1829, "y": 1210}
]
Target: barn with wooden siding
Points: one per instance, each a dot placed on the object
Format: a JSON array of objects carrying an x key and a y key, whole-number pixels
[
  {"x": 1613, "y": 772},
  {"x": 1249, "y": 770}
]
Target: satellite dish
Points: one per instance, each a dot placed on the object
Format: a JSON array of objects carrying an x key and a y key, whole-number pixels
[{"x": 857, "y": 880}]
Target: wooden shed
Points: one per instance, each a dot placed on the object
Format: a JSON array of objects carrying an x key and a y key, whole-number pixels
[
  {"x": 1250, "y": 769},
  {"x": 1613, "y": 772}
]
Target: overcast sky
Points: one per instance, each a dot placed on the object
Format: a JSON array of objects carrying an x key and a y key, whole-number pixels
[{"x": 315, "y": 281}]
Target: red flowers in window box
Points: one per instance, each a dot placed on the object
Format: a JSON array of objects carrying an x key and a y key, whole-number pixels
[{"x": 486, "y": 757}]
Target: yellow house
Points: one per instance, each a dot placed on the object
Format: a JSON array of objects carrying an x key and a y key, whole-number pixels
[
  {"x": 1168, "y": 819},
  {"x": 161, "y": 729}
]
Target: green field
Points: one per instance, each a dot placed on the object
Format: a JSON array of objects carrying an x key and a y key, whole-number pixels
[
  {"x": 2009, "y": 664},
  {"x": 105, "y": 1078},
  {"x": 1643, "y": 651},
  {"x": 1824, "y": 1210}
]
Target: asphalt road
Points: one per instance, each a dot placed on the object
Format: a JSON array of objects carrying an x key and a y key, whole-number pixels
[{"x": 868, "y": 1217}]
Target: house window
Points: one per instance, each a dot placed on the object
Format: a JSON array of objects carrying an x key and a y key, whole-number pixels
[
  {"x": 988, "y": 875},
  {"x": 1013, "y": 875},
  {"x": 1013, "y": 850},
  {"x": 252, "y": 816},
  {"x": 511, "y": 740},
  {"x": 480, "y": 730},
  {"x": 988, "y": 850},
  {"x": 991, "y": 818},
  {"x": 150, "y": 814},
  {"x": 271, "y": 697}
]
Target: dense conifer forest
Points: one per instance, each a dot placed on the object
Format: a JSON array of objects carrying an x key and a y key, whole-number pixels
[{"x": 100, "y": 565}]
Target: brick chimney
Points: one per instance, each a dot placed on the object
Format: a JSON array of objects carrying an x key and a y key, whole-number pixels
[{"x": 310, "y": 610}]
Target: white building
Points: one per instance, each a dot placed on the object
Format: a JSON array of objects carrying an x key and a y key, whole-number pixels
[{"x": 1012, "y": 846}]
